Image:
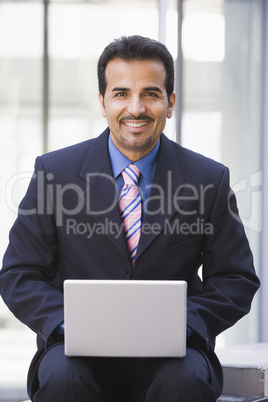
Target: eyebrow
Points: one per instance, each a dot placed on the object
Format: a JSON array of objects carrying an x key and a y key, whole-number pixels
[
  {"x": 156, "y": 89},
  {"x": 119, "y": 89}
]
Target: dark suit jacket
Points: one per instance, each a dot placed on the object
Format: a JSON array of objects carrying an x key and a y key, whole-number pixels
[{"x": 68, "y": 228}]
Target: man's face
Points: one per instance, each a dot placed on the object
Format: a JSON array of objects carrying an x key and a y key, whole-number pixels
[{"x": 136, "y": 104}]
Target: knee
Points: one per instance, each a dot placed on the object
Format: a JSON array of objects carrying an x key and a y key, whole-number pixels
[
  {"x": 173, "y": 377},
  {"x": 176, "y": 381},
  {"x": 55, "y": 368},
  {"x": 59, "y": 373}
]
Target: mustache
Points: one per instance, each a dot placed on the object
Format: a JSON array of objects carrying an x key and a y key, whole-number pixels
[{"x": 140, "y": 117}]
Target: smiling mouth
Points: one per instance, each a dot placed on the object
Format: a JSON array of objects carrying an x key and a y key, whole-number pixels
[
  {"x": 136, "y": 125},
  {"x": 136, "y": 121}
]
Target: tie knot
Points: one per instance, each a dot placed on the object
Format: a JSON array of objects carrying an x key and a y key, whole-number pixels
[{"x": 131, "y": 175}]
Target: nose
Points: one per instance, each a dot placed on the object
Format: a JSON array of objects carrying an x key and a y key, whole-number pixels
[{"x": 136, "y": 106}]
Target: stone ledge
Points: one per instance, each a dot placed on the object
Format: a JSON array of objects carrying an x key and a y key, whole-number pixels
[
  {"x": 239, "y": 398},
  {"x": 245, "y": 370}
]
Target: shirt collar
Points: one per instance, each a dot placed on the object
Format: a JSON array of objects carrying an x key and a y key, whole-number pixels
[{"x": 146, "y": 165}]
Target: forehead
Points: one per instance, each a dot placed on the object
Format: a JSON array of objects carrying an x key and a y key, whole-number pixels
[{"x": 135, "y": 72}]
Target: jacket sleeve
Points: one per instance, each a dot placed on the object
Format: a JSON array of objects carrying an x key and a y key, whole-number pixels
[
  {"x": 229, "y": 278},
  {"x": 28, "y": 279}
]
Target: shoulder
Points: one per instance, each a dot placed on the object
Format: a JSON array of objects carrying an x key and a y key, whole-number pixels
[
  {"x": 186, "y": 154},
  {"x": 194, "y": 164},
  {"x": 67, "y": 154},
  {"x": 73, "y": 156}
]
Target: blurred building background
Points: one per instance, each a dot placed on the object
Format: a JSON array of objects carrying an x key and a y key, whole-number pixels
[{"x": 49, "y": 99}]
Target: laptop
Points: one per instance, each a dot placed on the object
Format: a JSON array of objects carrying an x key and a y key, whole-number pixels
[{"x": 125, "y": 318}]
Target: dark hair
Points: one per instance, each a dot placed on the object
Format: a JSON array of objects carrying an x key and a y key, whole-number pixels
[{"x": 136, "y": 48}]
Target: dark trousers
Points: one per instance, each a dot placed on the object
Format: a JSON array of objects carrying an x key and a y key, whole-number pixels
[{"x": 76, "y": 379}]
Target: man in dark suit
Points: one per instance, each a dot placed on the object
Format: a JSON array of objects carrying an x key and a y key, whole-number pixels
[{"x": 69, "y": 226}]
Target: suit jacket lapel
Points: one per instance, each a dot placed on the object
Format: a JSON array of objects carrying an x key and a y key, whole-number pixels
[
  {"x": 162, "y": 204},
  {"x": 101, "y": 192}
]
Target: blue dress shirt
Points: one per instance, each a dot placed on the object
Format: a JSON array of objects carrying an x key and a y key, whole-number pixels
[{"x": 146, "y": 166}]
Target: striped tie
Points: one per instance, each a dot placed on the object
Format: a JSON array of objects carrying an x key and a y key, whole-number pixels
[{"x": 130, "y": 208}]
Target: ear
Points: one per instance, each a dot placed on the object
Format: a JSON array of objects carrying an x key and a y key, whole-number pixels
[
  {"x": 101, "y": 100},
  {"x": 172, "y": 101}
]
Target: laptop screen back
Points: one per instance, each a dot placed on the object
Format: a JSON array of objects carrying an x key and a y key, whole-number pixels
[{"x": 123, "y": 318}]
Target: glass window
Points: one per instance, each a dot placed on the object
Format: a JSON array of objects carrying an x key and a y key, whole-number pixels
[
  {"x": 221, "y": 43},
  {"x": 78, "y": 34},
  {"x": 21, "y": 50}
]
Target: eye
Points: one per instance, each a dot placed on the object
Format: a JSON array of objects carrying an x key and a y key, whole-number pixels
[
  {"x": 152, "y": 94},
  {"x": 120, "y": 94}
]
